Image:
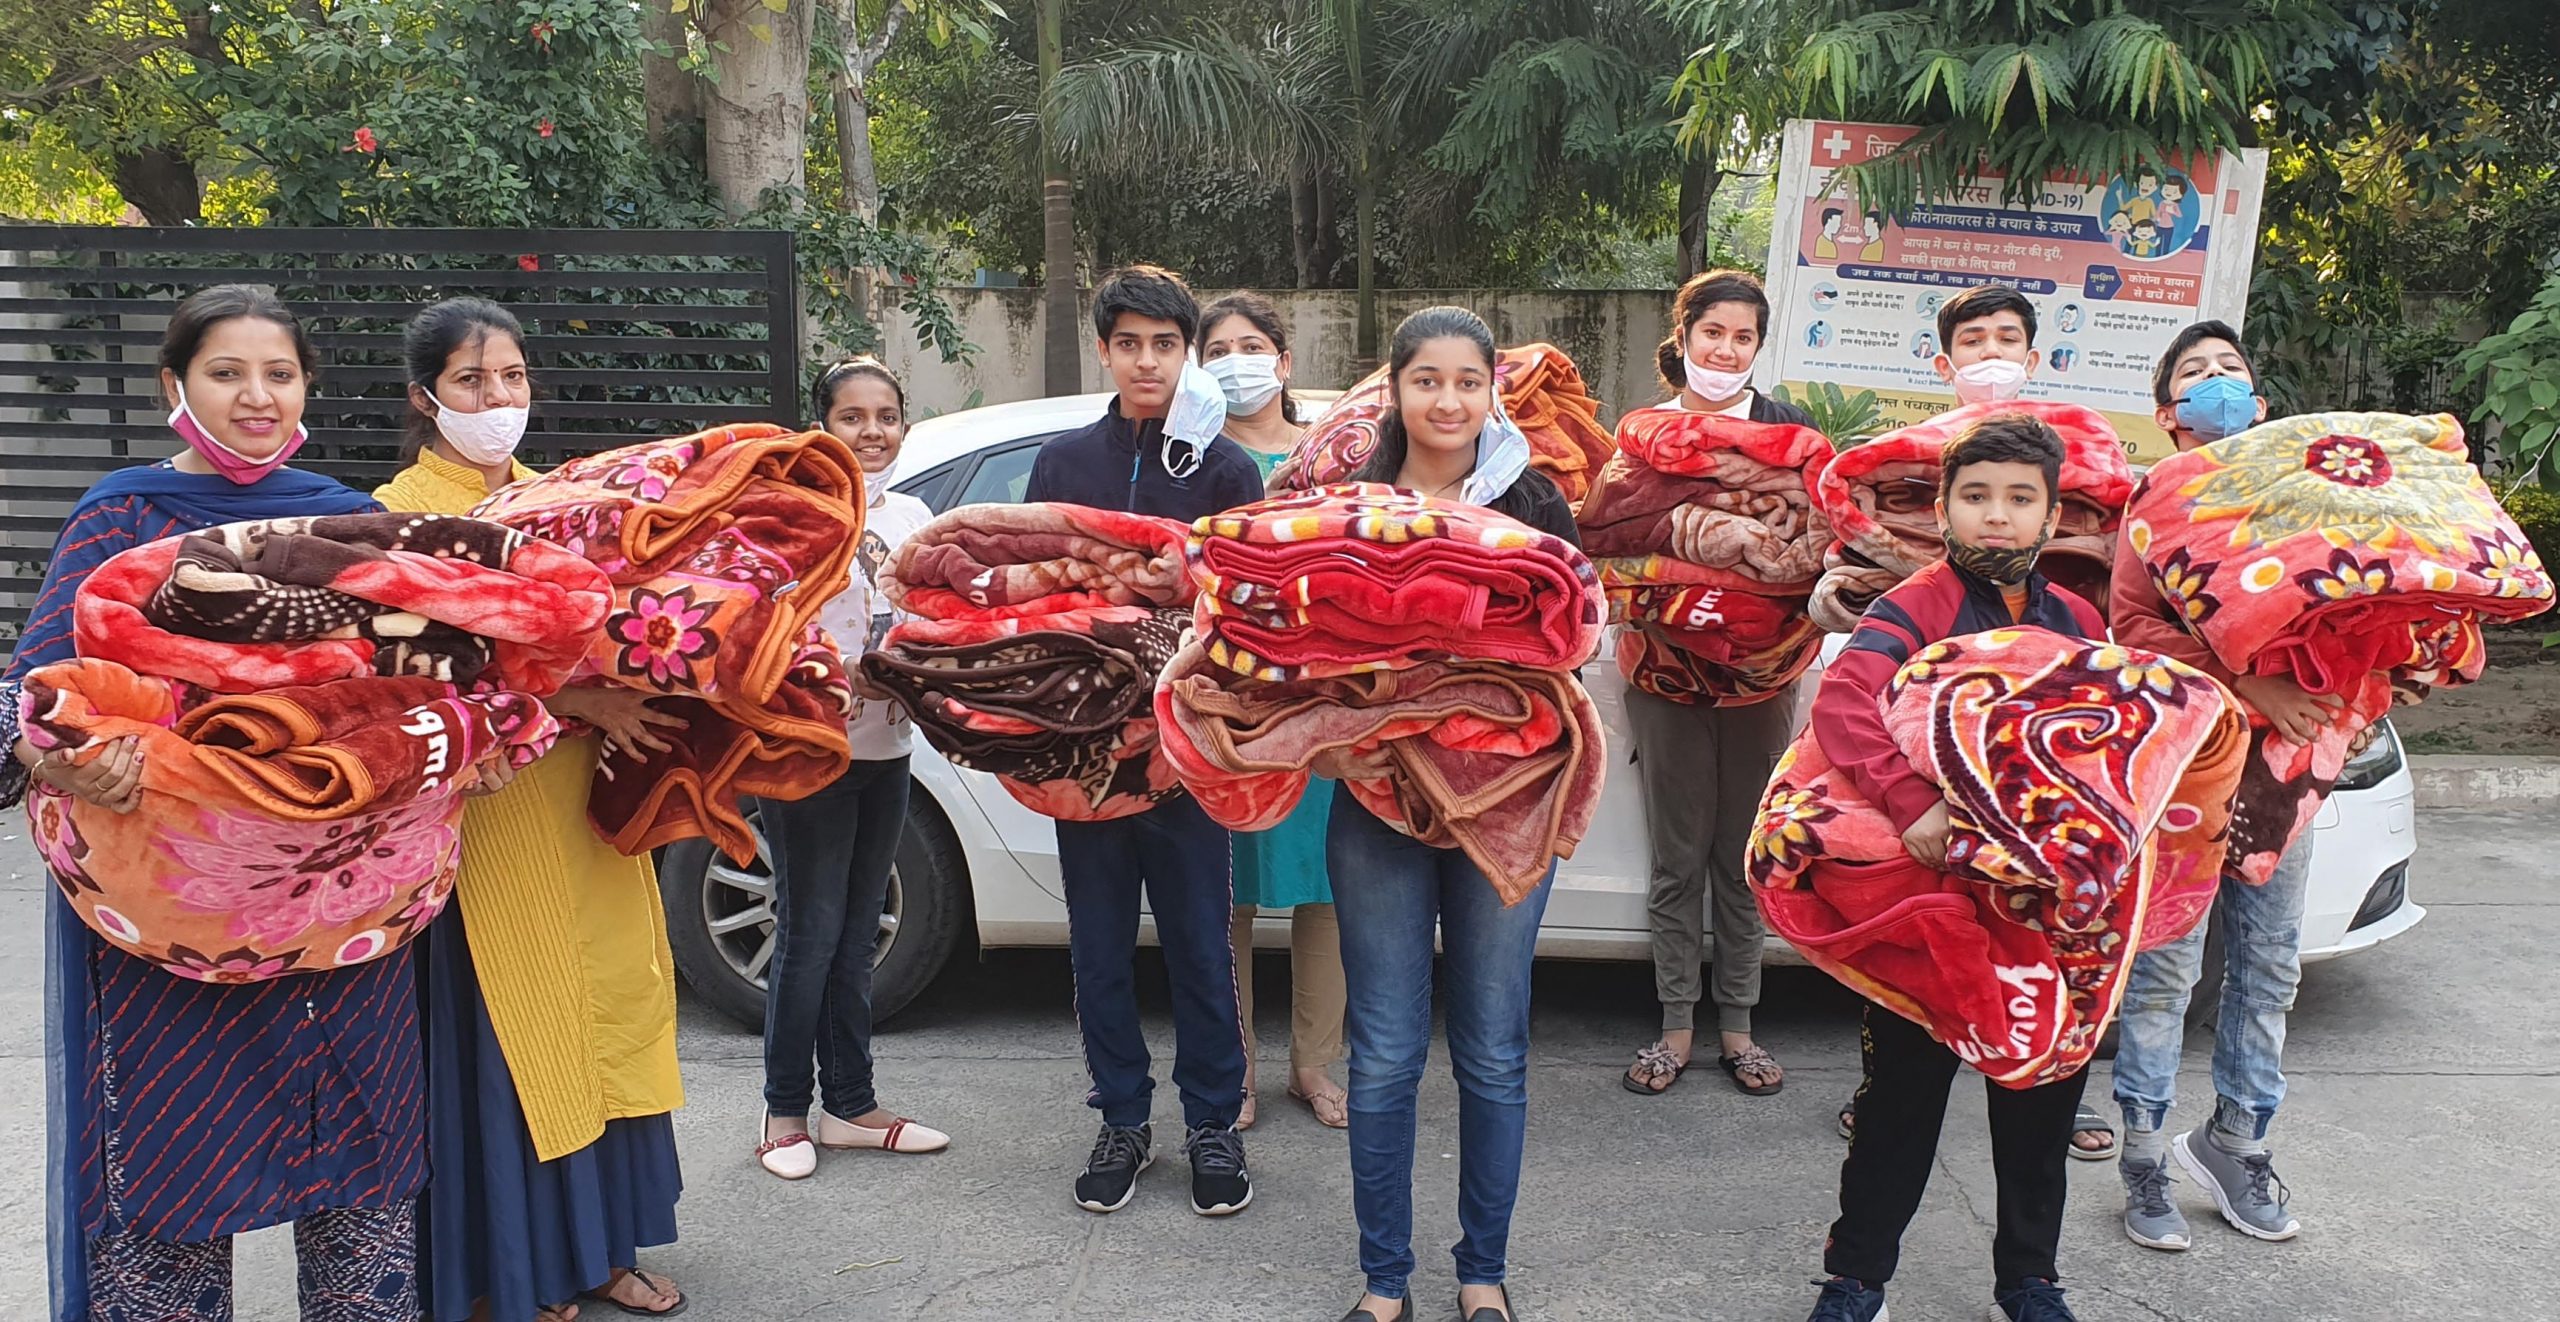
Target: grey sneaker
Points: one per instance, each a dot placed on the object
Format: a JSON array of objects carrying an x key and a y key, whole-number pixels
[
  {"x": 2150, "y": 1218},
  {"x": 2252, "y": 1199}
]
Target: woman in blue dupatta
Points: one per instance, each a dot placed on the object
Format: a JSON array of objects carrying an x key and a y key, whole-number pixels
[{"x": 180, "y": 1113}]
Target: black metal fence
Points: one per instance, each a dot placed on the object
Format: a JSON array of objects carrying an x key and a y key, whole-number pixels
[{"x": 632, "y": 333}]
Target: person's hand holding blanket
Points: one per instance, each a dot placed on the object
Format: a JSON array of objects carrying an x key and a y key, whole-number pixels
[{"x": 112, "y": 780}]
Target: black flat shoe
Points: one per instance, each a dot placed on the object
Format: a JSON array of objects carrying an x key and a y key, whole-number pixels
[
  {"x": 1489, "y": 1313},
  {"x": 1364, "y": 1315}
]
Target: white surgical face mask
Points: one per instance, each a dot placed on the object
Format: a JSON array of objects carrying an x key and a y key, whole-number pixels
[
  {"x": 1250, "y": 380},
  {"x": 487, "y": 437},
  {"x": 1990, "y": 379},
  {"x": 1711, "y": 385}
]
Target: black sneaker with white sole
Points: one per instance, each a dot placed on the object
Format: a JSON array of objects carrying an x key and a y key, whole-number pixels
[
  {"x": 1111, "y": 1173},
  {"x": 1220, "y": 1184}
]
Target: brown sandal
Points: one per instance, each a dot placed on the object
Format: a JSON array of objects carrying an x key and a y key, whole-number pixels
[
  {"x": 1655, "y": 1070},
  {"x": 1339, "y": 1103}
]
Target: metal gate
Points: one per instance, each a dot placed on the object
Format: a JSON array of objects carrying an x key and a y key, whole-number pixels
[{"x": 632, "y": 333}]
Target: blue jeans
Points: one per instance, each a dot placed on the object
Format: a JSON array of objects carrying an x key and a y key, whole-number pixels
[
  {"x": 1388, "y": 892},
  {"x": 2262, "y": 964},
  {"x": 1185, "y": 864},
  {"x": 831, "y": 857}
]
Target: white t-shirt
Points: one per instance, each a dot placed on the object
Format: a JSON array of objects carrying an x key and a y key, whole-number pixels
[
  {"x": 858, "y": 617},
  {"x": 1740, "y": 407}
]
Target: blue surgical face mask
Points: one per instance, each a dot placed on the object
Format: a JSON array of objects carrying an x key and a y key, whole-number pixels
[{"x": 2218, "y": 406}]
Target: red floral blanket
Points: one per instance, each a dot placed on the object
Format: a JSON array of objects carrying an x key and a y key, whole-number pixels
[
  {"x": 2357, "y": 553},
  {"x": 298, "y": 829},
  {"x": 2086, "y": 784},
  {"x": 721, "y": 547},
  {"x": 1364, "y": 576},
  {"x": 1058, "y": 707},
  {"x": 1881, "y": 500},
  {"x": 1037, "y": 559},
  {"x": 1540, "y": 387},
  {"x": 277, "y": 602},
  {"x": 1500, "y": 762},
  {"x": 1711, "y": 646}
]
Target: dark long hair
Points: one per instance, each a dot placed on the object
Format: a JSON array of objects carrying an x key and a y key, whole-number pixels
[
  {"x": 428, "y": 345},
  {"x": 1703, "y": 291},
  {"x": 201, "y": 311},
  {"x": 1385, "y": 462},
  {"x": 1255, "y": 308}
]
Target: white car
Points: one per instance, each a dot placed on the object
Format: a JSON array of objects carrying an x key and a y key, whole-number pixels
[{"x": 974, "y": 862}]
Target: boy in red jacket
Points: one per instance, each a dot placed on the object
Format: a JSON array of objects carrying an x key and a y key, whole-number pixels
[{"x": 1997, "y": 502}]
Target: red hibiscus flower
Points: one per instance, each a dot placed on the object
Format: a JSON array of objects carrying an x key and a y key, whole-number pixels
[
  {"x": 529, "y": 262},
  {"x": 545, "y": 128},
  {"x": 542, "y": 33},
  {"x": 365, "y": 141}
]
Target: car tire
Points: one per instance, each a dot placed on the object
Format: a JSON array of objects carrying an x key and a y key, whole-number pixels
[
  {"x": 2202, "y": 1003},
  {"x": 719, "y": 917}
]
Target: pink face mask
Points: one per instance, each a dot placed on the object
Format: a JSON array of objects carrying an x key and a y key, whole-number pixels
[{"x": 231, "y": 464}]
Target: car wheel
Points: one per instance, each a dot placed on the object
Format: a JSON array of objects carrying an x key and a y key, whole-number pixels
[{"x": 720, "y": 916}]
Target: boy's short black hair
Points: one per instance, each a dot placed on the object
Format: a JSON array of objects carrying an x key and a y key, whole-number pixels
[
  {"x": 2146, "y": 172},
  {"x": 1832, "y": 213},
  {"x": 1148, "y": 291},
  {"x": 2188, "y": 339},
  {"x": 1978, "y": 302},
  {"x": 2146, "y": 220},
  {"x": 2004, "y": 438}
]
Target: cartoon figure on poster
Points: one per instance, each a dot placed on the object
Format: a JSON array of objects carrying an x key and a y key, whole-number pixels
[
  {"x": 2148, "y": 214},
  {"x": 2064, "y": 356},
  {"x": 1818, "y": 335},
  {"x": 1924, "y": 345},
  {"x": 2067, "y": 321}
]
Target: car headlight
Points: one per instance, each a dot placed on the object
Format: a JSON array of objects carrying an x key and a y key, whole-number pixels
[{"x": 2376, "y": 763}]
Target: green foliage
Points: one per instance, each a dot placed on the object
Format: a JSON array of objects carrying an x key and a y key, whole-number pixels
[
  {"x": 2520, "y": 369},
  {"x": 1848, "y": 419}
]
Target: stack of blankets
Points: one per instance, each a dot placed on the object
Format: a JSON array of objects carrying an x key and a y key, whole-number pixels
[
  {"x": 1421, "y": 653},
  {"x": 2087, "y": 786},
  {"x": 1539, "y": 387},
  {"x": 2357, "y": 553},
  {"x": 1707, "y": 542},
  {"x": 721, "y": 547},
  {"x": 1039, "y": 632},
  {"x": 311, "y": 698},
  {"x": 1881, "y": 501}
]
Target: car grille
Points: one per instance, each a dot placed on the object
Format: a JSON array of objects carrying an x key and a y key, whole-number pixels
[{"x": 2390, "y": 891}]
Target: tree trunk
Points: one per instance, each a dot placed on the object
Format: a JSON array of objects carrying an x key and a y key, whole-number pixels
[
  {"x": 672, "y": 93},
  {"x": 1062, "y": 360},
  {"x": 1302, "y": 226},
  {"x": 1365, "y": 203},
  {"x": 161, "y": 184},
  {"x": 756, "y": 130},
  {"x": 1328, "y": 229},
  {"x": 857, "y": 57},
  {"x": 1699, "y": 178}
]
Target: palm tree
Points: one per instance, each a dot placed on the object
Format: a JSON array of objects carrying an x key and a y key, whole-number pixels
[{"x": 1062, "y": 369}]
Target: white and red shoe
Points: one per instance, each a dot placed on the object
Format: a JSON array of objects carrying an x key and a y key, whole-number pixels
[
  {"x": 791, "y": 1157},
  {"x": 900, "y": 1135}
]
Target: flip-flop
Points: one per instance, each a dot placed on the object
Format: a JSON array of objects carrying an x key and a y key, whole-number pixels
[
  {"x": 655, "y": 1286},
  {"x": 1652, "y": 1060},
  {"x": 1744, "y": 1059},
  {"x": 2088, "y": 1121},
  {"x": 1343, "y": 1101}
]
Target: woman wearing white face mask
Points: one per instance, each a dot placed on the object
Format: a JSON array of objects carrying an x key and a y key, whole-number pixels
[
  {"x": 1244, "y": 346},
  {"x": 1704, "y": 766},
  {"x": 549, "y": 1010}
]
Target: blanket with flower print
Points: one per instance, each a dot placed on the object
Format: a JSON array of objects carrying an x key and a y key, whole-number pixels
[
  {"x": 1539, "y": 386},
  {"x": 1500, "y": 762},
  {"x": 2087, "y": 788},
  {"x": 1710, "y": 646},
  {"x": 1059, "y": 708},
  {"x": 721, "y": 547},
  {"x": 1881, "y": 500},
  {"x": 1043, "y": 558},
  {"x": 1365, "y": 576},
  {"x": 249, "y": 606},
  {"x": 292, "y": 830},
  {"x": 2357, "y": 553}
]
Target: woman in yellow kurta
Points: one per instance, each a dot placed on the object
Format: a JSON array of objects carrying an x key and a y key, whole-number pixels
[{"x": 550, "y": 993}]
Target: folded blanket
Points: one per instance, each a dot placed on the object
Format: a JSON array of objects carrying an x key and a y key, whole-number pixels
[
  {"x": 250, "y": 606},
  {"x": 1365, "y": 576},
  {"x": 2085, "y": 785},
  {"x": 1037, "y": 559},
  {"x": 1881, "y": 500},
  {"x": 2357, "y": 553},
  {"x": 1500, "y": 762},
  {"x": 1753, "y": 649},
  {"x": 1849, "y": 585},
  {"x": 1540, "y": 388},
  {"x": 297, "y": 829},
  {"x": 721, "y": 547},
  {"x": 1720, "y": 495},
  {"x": 1057, "y": 707}
]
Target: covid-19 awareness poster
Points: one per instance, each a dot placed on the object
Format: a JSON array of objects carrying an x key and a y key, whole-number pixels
[{"x": 2114, "y": 266}]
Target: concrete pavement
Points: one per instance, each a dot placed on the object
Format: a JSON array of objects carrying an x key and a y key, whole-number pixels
[{"x": 2424, "y": 1077}]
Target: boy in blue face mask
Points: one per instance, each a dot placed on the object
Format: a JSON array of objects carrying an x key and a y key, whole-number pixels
[{"x": 2205, "y": 389}]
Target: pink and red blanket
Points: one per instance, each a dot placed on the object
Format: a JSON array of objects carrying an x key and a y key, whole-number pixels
[
  {"x": 2087, "y": 785},
  {"x": 1539, "y": 386},
  {"x": 2357, "y": 553},
  {"x": 720, "y": 547}
]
